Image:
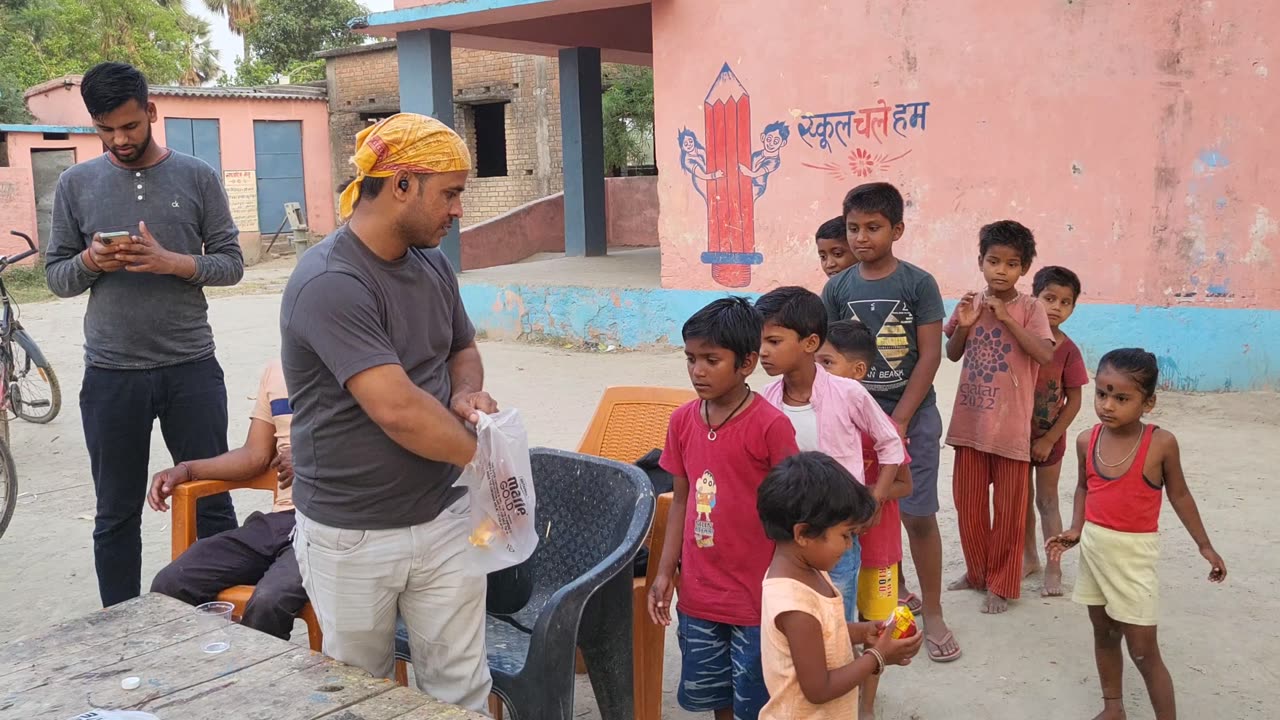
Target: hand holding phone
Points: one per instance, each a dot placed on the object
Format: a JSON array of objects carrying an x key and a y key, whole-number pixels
[{"x": 100, "y": 256}]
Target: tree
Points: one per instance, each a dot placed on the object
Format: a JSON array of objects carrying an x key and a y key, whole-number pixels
[
  {"x": 284, "y": 36},
  {"x": 239, "y": 14},
  {"x": 44, "y": 39},
  {"x": 628, "y": 116}
]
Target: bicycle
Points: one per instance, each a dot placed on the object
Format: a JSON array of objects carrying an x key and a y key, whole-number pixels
[
  {"x": 19, "y": 392},
  {"x": 30, "y": 387}
]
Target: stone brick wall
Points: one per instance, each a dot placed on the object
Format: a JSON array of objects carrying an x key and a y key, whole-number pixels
[{"x": 364, "y": 83}]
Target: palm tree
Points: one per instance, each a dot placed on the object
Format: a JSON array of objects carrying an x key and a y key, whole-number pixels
[
  {"x": 239, "y": 14},
  {"x": 202, "y": 60}
]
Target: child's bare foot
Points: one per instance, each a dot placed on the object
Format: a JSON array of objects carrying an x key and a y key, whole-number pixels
[
  {"x": 1030, "y": 566},
  {"x": 1052, "y": 581},
  {"x": 962, "y": 583},
  {"x": 995, "y": 604}
]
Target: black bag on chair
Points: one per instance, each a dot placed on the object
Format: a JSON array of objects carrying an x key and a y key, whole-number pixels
[
  {"x": 509, "y": 590},
  {"x": 663, "y": 482}
]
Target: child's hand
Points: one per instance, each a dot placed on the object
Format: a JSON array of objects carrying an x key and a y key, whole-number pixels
[
  {"x": 1040, "y": 449},
  {"x": 898, "y": 652},
  {"x": 997, "y": 306},
  {"x": 1218, "y": 571},
  {"x": 1055, "y": 546},
  {"x": 968, "y": 311},
  {"x": 660, "y": 600}
]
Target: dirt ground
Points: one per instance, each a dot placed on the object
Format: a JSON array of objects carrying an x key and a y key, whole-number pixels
[{"x": 1035, "y": 661}]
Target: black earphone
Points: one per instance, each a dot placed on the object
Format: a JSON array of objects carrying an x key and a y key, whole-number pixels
[{"x": 404, "y": 184}]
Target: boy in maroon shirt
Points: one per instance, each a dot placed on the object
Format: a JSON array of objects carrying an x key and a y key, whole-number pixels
[
  {"x": 1057, "y": 401},
  {"x": 723, "y": 444}
]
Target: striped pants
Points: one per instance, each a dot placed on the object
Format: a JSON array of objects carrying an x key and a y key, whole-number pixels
[{"x": 992, "y": 545}]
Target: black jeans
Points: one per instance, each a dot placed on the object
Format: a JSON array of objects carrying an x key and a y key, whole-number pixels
[
  {"x": 261, "y": 554},
  {"x": 118, "y": 409}
]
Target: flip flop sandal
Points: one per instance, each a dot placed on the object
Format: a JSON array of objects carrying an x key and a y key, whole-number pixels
[
  {"x": 913, "y": 603},
  {"x": 937, "y": 646}
]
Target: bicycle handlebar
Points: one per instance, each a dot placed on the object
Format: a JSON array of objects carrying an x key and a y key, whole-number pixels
[{"x": 22, "y": 255}]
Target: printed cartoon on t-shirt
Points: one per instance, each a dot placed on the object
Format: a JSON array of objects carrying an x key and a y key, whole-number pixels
[
  {"x": 890, "y": 321},
  {"x": 985, "y": 358},
  {"x": 704, "y": 531},
  {"x": 1046, "y": 403}
]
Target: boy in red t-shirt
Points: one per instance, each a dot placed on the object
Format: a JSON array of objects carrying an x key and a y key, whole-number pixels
[
  {"x": 1057, "y": 402},
  {"x": 724, "y": 443},
  {"x": 848, "y": 352}
]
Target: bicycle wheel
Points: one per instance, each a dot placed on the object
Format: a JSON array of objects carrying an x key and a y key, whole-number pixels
[
  {"x": 8, "y": 487},
  {"x": 34, "y": 393}
]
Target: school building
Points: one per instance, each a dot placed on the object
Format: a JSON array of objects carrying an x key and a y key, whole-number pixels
[
  {"x": 507, "y": 108},
  {"x": 1131, "y": 137},
  {"x": 269, "y": 144}
]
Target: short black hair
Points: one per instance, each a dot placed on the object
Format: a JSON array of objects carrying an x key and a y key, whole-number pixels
[
  {"x": 1056, "y": 275},
  {"x": 876, "y": 197},
  {"x": 795, "y": 308},
  {"x": 1010, "y": 234},
  {"x": 852, "y": 339},
  {"x": 833, "y": 229},
  {"x": 810, "y": 488},
  {"x": 1138, "y": 364},
  {"x": 109, "y": 85},
  {"x": 732, "y": 323}
]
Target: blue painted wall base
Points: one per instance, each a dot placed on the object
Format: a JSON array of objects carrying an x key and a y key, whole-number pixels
[{"x": 1200, "y": 349}]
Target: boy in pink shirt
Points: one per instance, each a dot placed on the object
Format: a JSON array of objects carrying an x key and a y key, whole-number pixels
[
  {"x": 1003, "y": 336},
  {"x": 831, "y": 414}
]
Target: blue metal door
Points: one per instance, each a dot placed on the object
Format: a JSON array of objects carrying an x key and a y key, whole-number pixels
[
  {"x": 195, "y": 137},
  {"x": 278, "y": 151}
]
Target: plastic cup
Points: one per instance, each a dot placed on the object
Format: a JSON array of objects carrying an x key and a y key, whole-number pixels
[{"x": 214, "y": 618}]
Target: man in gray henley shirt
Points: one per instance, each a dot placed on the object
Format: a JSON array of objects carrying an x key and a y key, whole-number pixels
[{"x": 148, "y": 347}]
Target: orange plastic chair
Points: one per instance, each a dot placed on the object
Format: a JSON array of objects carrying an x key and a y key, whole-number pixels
[
  {"x": 629, "y": 423},
  {"x": 184, "y": 536}
]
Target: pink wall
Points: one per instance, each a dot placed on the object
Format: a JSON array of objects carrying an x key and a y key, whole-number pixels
[
  {"x": 62, "y": 105},
  {"x": 1132, "y": 137},
  {"x": 631, "y": 208},
  {"x": 17, "y": 185}
]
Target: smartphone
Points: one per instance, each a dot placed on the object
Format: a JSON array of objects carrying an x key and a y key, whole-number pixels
[{"x": 108, "y": 238}]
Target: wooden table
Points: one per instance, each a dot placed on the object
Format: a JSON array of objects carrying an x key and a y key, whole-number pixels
[{"x": 77, "y": 666}]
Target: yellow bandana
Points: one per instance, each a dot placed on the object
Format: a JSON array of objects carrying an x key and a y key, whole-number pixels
[{"x": 405, "y": 141}]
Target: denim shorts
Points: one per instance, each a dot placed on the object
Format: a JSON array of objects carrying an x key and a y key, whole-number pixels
[
  {"x": 845, "y": 577},
  {"x": 720, "y": 667}
]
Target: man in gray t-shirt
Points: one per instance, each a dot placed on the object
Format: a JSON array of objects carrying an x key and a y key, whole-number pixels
[
  {"x": 382, "y": 369},
  {"x": 144, "y": 229}
]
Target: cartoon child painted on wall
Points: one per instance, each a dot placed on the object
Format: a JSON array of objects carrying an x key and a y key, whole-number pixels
[
  {"x": 693, "y": 160},
  {"x": 767, "y": 160},
  {"x": 704, "y": 500}
]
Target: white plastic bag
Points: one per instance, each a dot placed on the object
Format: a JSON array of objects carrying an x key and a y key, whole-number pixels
[{"x": 499, "y": 481}]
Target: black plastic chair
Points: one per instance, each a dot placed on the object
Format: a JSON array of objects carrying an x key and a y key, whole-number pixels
[{"x": 593, "y": 515}]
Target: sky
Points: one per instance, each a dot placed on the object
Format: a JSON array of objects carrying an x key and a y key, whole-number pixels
[{"x": 229, "y": 45}]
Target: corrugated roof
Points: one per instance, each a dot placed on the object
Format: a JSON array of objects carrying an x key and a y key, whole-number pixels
[
  {"x": 263, "y": 92},
  {"x": 67, "y": 129},
  {"x": 356, "y": 50}
]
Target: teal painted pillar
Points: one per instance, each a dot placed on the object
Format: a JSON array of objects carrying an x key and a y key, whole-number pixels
[
  {"x": 582, "y": 128},
  {"x": 425, "y": 59}
]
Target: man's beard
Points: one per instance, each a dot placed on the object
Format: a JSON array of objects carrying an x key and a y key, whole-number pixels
[
  {"x": 138, "y": 152},
  {"x": 419, "y": 237}
]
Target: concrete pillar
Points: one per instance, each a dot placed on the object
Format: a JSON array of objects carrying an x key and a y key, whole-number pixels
[
  {"x": 425, "y": 58},
  {"x": 582, "y": 125}
]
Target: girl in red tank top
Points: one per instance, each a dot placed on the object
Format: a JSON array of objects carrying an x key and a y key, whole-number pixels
[
  {"x": 1124, "y": 465},
  {"x": 1122, "y": 500}
]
